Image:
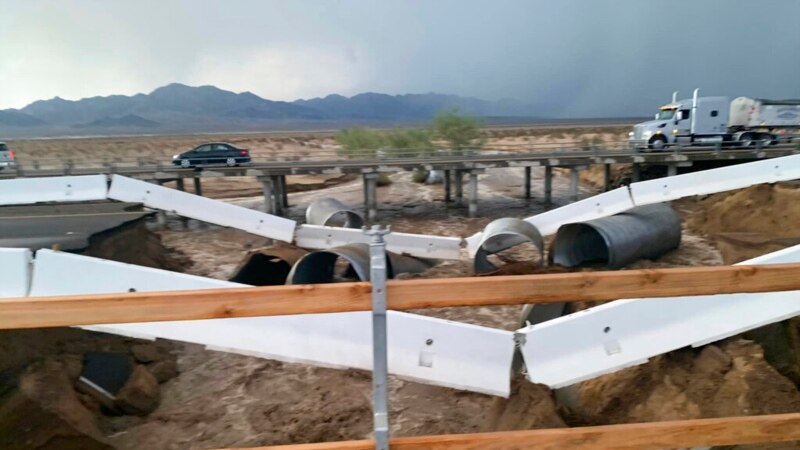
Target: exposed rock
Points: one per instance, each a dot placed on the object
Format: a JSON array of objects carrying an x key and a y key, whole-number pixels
[
  {"x": 43, "y": 413},
  {"x": 140, "y": 395},
  {"x": 164, "y": 371},
  {"x": 149, "y": 353}
]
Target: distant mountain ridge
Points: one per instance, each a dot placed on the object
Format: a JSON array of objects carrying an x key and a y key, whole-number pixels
[{"x": 177, "y": 106}]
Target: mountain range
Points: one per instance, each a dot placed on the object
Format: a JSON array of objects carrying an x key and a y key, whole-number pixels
[{"x": 177, "y": 107}]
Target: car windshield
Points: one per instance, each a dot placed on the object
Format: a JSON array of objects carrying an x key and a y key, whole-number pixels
[{"x": 665, "y": 114}]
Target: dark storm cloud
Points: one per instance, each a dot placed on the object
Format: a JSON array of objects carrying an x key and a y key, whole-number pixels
[{"x": 571, "y": 58}]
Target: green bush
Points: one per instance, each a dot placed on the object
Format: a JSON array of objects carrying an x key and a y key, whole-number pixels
[
  {"x": 419, "y": 176},
  {"x": 409, "y": 143},
  {"x": 358, "y": 142},
  {"x": 460, "y": 132}
]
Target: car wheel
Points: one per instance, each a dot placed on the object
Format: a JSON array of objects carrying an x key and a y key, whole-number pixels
[
  {"x": 185, "y": 163},
  {"x": 658, "y": 143},
  {"x": 230, "y": 162}
]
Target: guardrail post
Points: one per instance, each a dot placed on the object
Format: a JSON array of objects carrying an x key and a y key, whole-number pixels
[
  {"x": 371, "y": 194},
  {"x": 380, "y": 361},
  {"x": 179, "y": 184},
  {"x": 636, "y": 174},
  {"x": 606, "y": 177},
  {"x": 284, "y": 191},
  {"x": 717, "y": 149},
  {"x": 574, "y": 182}
]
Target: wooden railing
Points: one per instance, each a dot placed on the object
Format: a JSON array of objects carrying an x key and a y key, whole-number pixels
[{"x": 33, "y": 312}]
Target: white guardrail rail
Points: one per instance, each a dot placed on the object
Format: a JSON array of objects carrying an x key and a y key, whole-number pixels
[
  {"x": 626, "y": 333},
  {"x": 25, "y": 191},
  {"x": 15, "y": 272},
  {"x": 424, "y": 349}
]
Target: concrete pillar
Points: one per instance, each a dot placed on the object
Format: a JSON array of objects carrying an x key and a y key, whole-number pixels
[
  {"x": 574, "y": 183},
  {"x": 548, "y": 185},
  {"x": 371, "y": 195},
  {"x": 459, "y": 182},
  {"x": 606, "y": 177},
  {"x": 636, "y": 174},
  {"x": 672, "y": 170},
  {"x": 473, "y": 193},
  {"x": 284, "y": 191},
  {"x": 277, "y": 195},
  {"x": 527, "y": 181},
  {"x": 269, "y": 196},
  {"x": 198, "y": 188},
  {"x": 447, "y": 175}
]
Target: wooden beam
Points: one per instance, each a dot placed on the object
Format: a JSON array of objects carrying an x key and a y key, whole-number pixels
[
  {"x": 33, "y": 312},
  {"x": 638, "y": 436}
]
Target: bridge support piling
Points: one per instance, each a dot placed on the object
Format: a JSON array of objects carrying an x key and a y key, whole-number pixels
[
  {"x": 636, "y": 174},
  {"x": 473, "y": 193},
  {"x": 606, "y": 177},
  {"x": 459, "y": 181},
  {"x": 284, "y": 191},
  {"x": 574, "y": 182},
  {"x": 527, "y": 181},
  {"x": 371, "y": 195},
  {"x": 269, "y": 195},
  {"x": 277, "y": 195},
  {"x": 548, "y": 185},
  {"x": 447, "y": 175},
  {"x": 198, "y": 188},
  {"x": 672, "y": 170},
  {"x": 179, "y": 184}
]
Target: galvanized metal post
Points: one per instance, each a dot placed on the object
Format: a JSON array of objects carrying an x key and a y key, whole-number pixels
[
  {"x": 371, "y": 195},
  {"x": 380, "y": 361},
  {"x": 198, "y": 187}
]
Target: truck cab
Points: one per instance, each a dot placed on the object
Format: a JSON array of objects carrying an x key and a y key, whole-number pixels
[{"x": 694, "y": 120}]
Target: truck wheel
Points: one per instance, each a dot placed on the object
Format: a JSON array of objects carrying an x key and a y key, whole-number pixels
[
  {"x": 766, "y": 139},
  {"x": 658, "y": 143},
  {"x": 746, "y": 140}
]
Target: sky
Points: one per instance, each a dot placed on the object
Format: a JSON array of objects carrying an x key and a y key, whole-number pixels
[{"x": 569, "y": 58}]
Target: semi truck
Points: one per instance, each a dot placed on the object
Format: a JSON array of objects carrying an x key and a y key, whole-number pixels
[{"x": 699, "y": 120}]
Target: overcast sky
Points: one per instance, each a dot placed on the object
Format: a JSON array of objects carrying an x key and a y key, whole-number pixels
[{"x": 573, "y": 58}]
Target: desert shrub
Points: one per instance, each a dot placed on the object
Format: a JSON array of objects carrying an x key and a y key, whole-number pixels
[
  {"x": 358, "y": 142},
  {"x": 383, "y": 180},
  {"x": 409, "y": 143},
  {"x": 460, "y": 132},
  {"x": 419, "y": 176}
]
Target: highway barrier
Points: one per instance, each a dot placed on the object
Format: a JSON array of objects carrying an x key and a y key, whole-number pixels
[{"x": 27, "y": 191}]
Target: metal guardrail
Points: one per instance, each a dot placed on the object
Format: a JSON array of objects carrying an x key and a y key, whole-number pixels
[{"x": 336, "y": 156}]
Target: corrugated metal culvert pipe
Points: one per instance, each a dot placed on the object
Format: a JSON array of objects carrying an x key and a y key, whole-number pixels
[
  {"x": 348, "y": 263},
  {"x": 333, "y": 213},
  {"x": 644, "y": 232},
  {"x": 503, "y": 234}
]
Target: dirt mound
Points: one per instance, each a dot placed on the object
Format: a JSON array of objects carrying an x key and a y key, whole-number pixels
[
  {"x": 732, "y": 379},
  {"x": 134, "y": 243},
  {"x": 748, "y": 222}
]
